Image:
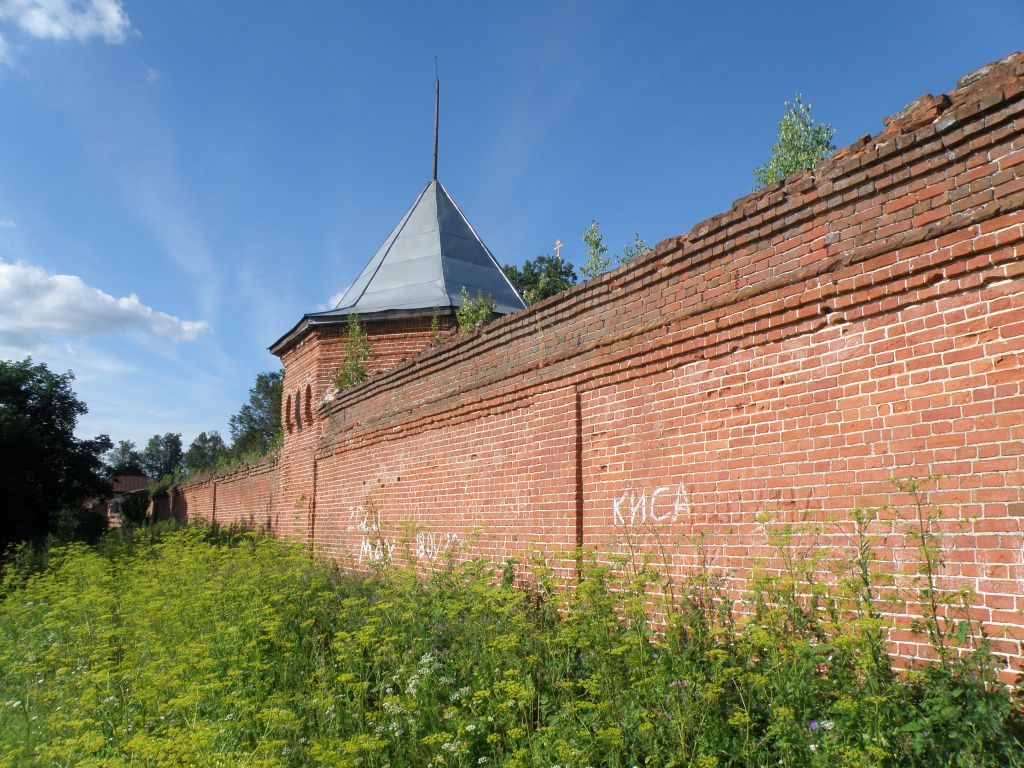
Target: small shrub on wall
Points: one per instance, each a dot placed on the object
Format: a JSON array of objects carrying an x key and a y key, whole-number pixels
[
  {"x": 475, "y": 311},
  {"x": 357, "y": 352}
]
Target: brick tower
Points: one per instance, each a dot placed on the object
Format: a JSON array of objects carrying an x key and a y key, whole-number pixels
[{"x": 416, "y": 275}]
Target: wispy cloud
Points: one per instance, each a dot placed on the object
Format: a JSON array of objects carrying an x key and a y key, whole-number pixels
[
  {"x": 157, "y": 195},
  {"x": 35, "y": 305},
  {"x": 152, "y": 75},
  {"x": 64, "y": 20},
  {"x": 7, "y": 224},
  {"x": 332, "y": 302}
]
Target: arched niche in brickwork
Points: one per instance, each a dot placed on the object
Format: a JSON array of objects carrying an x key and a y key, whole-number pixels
[
  {"x": 298, "y": 409},
  {"x": 289, "y": 421},
  {"x": 309, "y": 404}
]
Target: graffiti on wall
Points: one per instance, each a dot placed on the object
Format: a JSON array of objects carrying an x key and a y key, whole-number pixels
[
  {"x": 659, "y": 506},
  {"x": 375, "y": 547}
]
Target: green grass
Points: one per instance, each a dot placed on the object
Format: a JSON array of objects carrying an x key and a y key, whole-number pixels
[{"x": 198, "y": 648}]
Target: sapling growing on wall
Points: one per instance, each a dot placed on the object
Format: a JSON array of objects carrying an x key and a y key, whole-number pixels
[
  {"x": 637, "y": 249},
  {"x": 357, "y": 352},
  {"x": 597, "y": 262},
  {"x": 475, "y": 310},
  {"x": 801, "y": 143}
]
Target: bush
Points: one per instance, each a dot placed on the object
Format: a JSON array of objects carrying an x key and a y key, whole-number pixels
[
  {"x": 357, "y": 352},
  {"x": 475, "y": 311}
]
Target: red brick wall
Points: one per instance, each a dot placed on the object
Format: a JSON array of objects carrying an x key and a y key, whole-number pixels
[
  {"x": 858, "y": 322},
  {"x": 242, "y": 496}
]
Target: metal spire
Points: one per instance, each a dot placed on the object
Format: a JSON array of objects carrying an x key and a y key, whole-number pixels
[{"x": 437, "y": 102}]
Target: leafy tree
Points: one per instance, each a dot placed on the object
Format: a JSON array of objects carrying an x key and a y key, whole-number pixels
[
  {"x": 597, "y": 263},
  {"x": 125, "y": 459},
  {"x": 544, "y": 276},
  {"x": 162, "y": 455},
  {"x": 474, "y": 311},
  {"x": 205, "y": 452},
  {"x": 630, "y": 252},
  {"x": 802, "y": 143},
  {"x": 257, "y": 425},
  {"x": 357, "y": 352},
  {"x": 47, "y": 473}
]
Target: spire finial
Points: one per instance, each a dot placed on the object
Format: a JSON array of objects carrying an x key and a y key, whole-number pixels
[{"x": 437, "y": 108}]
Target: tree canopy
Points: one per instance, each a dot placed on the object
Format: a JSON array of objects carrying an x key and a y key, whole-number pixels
[
  {"x": 125, "y": 459},
  {"x": 801, "y": 143},
  {"x": 205, "y": 452},
  {"x": 257, "y": 425},
  {"x": 46, "y": 471},
  {"x": 545, "y": 276},
  {"x": 162, "y": 455}
]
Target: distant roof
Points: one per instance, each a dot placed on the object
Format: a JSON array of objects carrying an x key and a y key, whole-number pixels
[
  {"x": 128, "y": 483},
  {"x": 429, "y": 257}
]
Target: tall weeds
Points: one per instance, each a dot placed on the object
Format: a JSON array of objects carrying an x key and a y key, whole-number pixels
[{"x": 224, "y": 648}]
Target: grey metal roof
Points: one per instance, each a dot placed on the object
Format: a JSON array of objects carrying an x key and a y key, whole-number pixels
[
  {"x": 430, "y": 255},
  {"x": 428, "y": 258}
]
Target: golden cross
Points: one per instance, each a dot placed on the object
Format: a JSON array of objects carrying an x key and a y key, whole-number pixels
[{"x": 558, "y": 249}]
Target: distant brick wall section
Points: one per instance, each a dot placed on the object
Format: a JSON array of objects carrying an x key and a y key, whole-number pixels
[
  {"x": 240, "y": 496},
  {"x": 853, "y": 323}
]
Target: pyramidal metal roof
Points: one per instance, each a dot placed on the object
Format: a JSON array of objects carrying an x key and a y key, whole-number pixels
[
  {"x": 426, "y": 261},
  {"x": 429, "y": 257}
]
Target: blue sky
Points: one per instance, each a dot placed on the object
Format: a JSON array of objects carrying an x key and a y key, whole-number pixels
[{"x": 181, "y": 181}]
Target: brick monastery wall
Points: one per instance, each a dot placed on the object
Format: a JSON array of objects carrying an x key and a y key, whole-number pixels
[{"x": 792, "y": 355}]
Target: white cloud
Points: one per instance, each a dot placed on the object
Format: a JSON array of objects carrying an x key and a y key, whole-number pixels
[
  {"x": 7, "y": 224},
  {"x": 152, "y": 75},
  {"x": 332, "y": 303},
  {"x": 65, "y": 20},
  {"x": 35, "y": 305}
]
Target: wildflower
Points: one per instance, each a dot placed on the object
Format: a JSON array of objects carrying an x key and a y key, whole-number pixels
[
  {"x": 813, "y": 747},
  {"x": 813, "y": 725},
  {"x": 654, "y": 655},
  {"x": 828, "y": 725},
  {"x": 470, "y": 728},
  {"x": 481, "y": 760}
]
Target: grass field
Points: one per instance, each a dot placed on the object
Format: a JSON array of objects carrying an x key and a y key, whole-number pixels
[{"x": 196, "y": 648}]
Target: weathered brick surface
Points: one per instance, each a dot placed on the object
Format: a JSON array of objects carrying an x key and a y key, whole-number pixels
[{"x": 858, "y": 322}]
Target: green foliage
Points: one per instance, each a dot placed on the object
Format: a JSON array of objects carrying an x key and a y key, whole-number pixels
[
  {"x": 133, "y": 506},
  {"x": 637, "y": 249},
  {"x": 46, "y": 471},
  {"x": 435, "y": 327},
  {"x": 597, "y": 262},
  {"x": 801, "y": 143},
  {"x": 474, "y": 311},
  {"x": 257, "y": 425},
  {"x": 209, "y": 647},
  {"x": 544, "y": 276},
  {"x": 162, "y": 456},
  {"x": 206, "y": 451},
  {"x": 124, "y": 459},
  {"x": 357, "y": 352}
]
